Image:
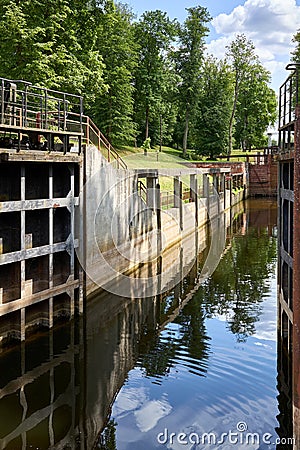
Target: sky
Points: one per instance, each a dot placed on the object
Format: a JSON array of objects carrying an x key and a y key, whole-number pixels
[{"x": 270, "y": 24}]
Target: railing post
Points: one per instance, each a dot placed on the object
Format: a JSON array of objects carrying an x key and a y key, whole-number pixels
[
  {"x": 2, "y": 102},
  {"x": 65, "y": 113},
  {"x": 81, "y": 114},
  {"x": 58, "y": 115},
  {"x": 99, "y": 140},
  {"x": 41, "y": 108},
  {"x": 158, "y": 218},
  {"x": 88, "y": 130},
  {"x": 46, "y": 110},
  {"x": 194, "y": 194}
]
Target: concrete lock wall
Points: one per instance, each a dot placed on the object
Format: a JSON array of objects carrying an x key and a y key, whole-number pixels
[
  {"x": 112, "y": 215},
  {"x": 120, "y": 230}
]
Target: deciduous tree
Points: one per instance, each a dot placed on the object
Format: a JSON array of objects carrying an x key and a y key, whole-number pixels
[
  {"x": 154, "y": 34},
  {"x": 211, "y": 129},
  {"x": 113, "y": 110},
  {"x": 189, "y": 59}
]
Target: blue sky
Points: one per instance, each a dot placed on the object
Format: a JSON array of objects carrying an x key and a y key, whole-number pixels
[{"x": 270, "y": 24}]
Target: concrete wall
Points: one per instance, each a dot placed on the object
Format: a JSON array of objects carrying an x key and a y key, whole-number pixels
[
  {"x": 112, "y": 215},
  {"x": 122, "y": 231}
]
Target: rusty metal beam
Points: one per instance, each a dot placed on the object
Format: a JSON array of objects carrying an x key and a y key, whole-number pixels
[{"x": 296, "y": 281}]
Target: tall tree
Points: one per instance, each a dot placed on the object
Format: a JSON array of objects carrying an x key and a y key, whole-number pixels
[
  {"x": 113, "y": 110},
  {"x": 256, "y": 108},
  {"x": 241, "y": 55},
  {"x": 154, "y": 34},
  {"x": 212, "y": 120},
  {"x": 189, "y": 60},
  {"x": 41, "y": 42},
  {"x": 296, "y": 53}
]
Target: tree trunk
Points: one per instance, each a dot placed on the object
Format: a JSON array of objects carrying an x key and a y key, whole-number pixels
[
  {"x": 147, "y": 123},
  {"x": 186, "y": 132},
  {"x": 232, "y": 120}
]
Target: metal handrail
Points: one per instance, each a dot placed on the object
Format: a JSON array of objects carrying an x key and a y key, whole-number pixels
[
  {"x": 90, "y": 129},
  {"x": 143, "y": 192},
  {"x": 24, "y": 106}
]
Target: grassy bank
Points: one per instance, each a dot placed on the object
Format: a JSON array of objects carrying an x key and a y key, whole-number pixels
[{"x": 169, "y": 157}]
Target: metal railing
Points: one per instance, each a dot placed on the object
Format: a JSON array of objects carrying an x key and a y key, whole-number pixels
[
  {"x": 288, "y": 100},
  {"x": 167, "y": 199},
  {"x": 142, "y": 191},
  {"x": 92, "y": 135},
  {"x": 26, "y": 106}
]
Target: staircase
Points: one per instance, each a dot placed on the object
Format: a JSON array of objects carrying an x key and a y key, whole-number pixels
[
  {"x": 263, "y": 179},
  {"x": 92, "y": 135}
]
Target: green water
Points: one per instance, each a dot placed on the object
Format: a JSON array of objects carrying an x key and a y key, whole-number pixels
[{"x": 200, "y": 359}]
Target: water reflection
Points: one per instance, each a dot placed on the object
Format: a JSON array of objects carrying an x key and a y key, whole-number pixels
[
  {"x": 238, "y": 287},
  {"x": 132, "y": 367}
]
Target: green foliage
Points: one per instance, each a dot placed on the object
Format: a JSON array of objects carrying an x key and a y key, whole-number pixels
[
  {"x": 189, "y": 60},
  {"x": 211, "y": 128},
  {"x": 154, "y": 34},
  {"x": 296, "y": 53},
  {"x": 41, "y": 43},
  {"x": 256, "y": 108},
  {"x": 107, "y": 440},
  {"x": 254, "y": 103},
  {"x": 146, "y": 144},
  {"x": 140, "y": 79},
  {"x": 113, "y": 110}
]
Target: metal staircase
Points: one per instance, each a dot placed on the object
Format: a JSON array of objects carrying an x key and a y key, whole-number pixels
[{"x": 92, "y": 135}]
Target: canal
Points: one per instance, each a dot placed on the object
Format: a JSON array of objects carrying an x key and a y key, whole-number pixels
[{"x": 195, "y": 367}]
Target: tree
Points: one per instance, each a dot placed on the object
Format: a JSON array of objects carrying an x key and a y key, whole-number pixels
[
  {"x": 239, "y": 284},
  {"x": 296, "y": 53},
  {"x": 189, "y": 60},
  {"x": 241, "y": 55},
  {"x": 113, "y": 110},
  {"x": 256, "y": 108},
  {"x": 154, "y": 34},
  {"x": 43, "y": 43},
  {"x": 211, "y": 129}
]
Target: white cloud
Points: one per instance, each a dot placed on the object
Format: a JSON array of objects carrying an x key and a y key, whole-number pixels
[
  {"x": 130, "y": 400},
  {"x": 270, "y": 24},
  {"x": 151, "y": 413}
]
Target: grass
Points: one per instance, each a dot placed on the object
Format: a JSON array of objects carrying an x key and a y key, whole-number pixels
[
  {"x": 136, "y": 159},
  {"x": 169, "y": 157}
]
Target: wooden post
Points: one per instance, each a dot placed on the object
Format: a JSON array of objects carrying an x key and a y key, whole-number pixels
[
  {"x": 178, "y": 199},
  {"x": 194, "y": 194},
  {"x": 158, "y": 217},
  {"x": 23, "y": 324},
  {"x": 23, "y": 233}
]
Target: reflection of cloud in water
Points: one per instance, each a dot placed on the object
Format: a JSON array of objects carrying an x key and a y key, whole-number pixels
[
  {"x": 208, "y": 421},
  {"x": 137, "y": 401},
  {"x": 149, "y": 415},
  {"x": 130, "y": 400},
  {"x": 266, "y": 328}
]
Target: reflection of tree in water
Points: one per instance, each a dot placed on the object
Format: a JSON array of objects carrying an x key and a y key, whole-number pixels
[
  {"x": 107, "y": 439},
  {"x": 239, "y": 284},
  {"x": 186, "y": 335}
]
